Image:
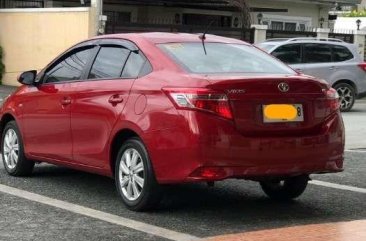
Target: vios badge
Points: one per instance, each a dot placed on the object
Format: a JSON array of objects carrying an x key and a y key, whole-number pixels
[{"x": 236, "y": 91}]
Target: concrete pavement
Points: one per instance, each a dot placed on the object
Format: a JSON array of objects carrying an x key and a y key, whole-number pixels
[{"x": 355, "y": 123}]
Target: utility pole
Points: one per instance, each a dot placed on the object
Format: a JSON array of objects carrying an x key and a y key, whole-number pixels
[{"x": 99, "y": 19}]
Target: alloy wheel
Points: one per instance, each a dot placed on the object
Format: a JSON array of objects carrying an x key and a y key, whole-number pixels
[
  {"x": 346, "y": 97},
  {"x": 11, "y": 149},
  {"x": 131, "y": 174}
]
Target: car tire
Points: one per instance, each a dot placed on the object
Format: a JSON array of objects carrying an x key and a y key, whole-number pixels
[
  {"x": 286, "y": 189},
  {"x": 347, "y": 95},
  {"x": 135, "y": 178},
  {"x": 12, "y": 150}
]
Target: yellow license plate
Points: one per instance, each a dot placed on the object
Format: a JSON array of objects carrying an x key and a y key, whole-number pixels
[{"x": 283, "y": 113}]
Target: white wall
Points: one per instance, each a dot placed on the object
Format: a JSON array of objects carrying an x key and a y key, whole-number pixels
[
  {"x": 313, "y": 11},
  {"x": 362, "y": 5},
  {"x": 343, "y": 23}
]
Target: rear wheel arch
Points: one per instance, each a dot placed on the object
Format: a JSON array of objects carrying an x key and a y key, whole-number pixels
[
  {"x": 346, "y": 81},
  {"x": 121, "y": 137}
]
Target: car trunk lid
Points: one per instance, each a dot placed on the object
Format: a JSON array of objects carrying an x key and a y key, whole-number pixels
[{"x": 249, "y": 95}]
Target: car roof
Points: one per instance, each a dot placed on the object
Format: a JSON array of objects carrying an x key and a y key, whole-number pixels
[
  {"x": 282, "y": 41},
  {"x": 160, "y": 37}
]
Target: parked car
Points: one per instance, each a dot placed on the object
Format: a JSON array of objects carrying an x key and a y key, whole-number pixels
[
  {"x": 333, "y": 60},
  {"x": 158, "y": 108}
]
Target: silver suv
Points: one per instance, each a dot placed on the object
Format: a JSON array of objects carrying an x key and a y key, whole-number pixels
[{"x": 333, "y": 60}]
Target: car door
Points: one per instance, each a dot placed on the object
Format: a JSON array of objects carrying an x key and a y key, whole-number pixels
[
  {"x": 291, "y": 54},
  {"x": 99, "y": 101},
  {"x": 318, "y": 60},
  {"x": 46, "y": 107},
  {"x": 346, "y": 67}
]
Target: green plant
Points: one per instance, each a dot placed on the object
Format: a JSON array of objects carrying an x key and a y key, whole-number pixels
[
  {"x": 2, "y": 66},
  {"x": 355, "y": 13}
]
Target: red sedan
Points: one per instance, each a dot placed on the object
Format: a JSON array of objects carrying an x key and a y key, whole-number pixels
[{"x": 159, "y": 108}]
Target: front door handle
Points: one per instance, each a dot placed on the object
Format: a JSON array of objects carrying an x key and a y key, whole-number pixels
[
  {"x": 333, "y": 68},
  {"x": 66, "y": 101},
  {"x": 115, "y": 99}
]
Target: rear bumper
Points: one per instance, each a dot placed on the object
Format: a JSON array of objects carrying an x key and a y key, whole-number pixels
[{"x": 211, "y": 149}]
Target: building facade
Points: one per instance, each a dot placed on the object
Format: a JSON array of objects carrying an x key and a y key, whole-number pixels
[{"x": 33, "y": 32}]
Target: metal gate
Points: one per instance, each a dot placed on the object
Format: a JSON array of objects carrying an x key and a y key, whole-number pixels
[{"x": 122, "y": 24}]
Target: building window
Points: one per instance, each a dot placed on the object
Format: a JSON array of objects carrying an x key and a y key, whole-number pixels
[
  {"x": 290, "y": 26},
  {"x": 287, "y": 23},
  {"x": 277, "y": 25},
  {"x": 22, "y": 4}
]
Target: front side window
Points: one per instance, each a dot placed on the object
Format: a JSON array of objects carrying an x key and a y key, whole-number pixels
[
  {"x": 317, "y": 53},
  {"x": 70, "y": 68},
  {"x": 109, "y": 63},
  {"x": 289, "y": 54},
  {"x": 341, "y": 53},
  {"x": 223, "y": 58}
]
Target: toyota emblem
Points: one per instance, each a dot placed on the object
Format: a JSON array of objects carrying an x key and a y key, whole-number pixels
[{"x": 283, "y": 87}]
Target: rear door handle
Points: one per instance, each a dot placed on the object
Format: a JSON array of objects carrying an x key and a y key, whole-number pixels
[
  {"x": 115, "y": 99},
  {"x": 333, "y": 68},
  {"x": 66, "y": 101}
]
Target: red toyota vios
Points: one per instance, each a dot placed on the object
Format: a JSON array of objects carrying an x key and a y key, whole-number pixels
[{"x": 160, "y": 108}]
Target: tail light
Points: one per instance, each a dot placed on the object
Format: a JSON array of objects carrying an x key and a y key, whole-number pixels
[
  {"x": 200, "y": 99},
  {"x": 332, "y": 99},
  {"x": 362, "y": 66}
]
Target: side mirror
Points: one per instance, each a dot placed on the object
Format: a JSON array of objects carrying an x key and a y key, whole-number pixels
[{"x": 28, "y": 77}]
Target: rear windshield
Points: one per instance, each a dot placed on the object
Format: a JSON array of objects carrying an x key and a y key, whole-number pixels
[{"x": 223, "y": 58}]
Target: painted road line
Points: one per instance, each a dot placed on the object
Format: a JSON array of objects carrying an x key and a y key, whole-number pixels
[
  {"x": 107, "y": 217},
  {"x": 338, "y": 186}
]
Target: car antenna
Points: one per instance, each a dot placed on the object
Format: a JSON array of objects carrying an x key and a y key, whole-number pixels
[{"x": 203, "y": 36}]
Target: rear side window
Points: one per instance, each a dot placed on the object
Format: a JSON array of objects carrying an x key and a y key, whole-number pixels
[
  {"x": 109, "y": 63},
  {"x": 69, "y": 68},
  {"x": 133, "y": 66},
  {"x": 341, "y": 53},
  {"x": 317, "y": 53},
  {"x": 289, "y": 54}
]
